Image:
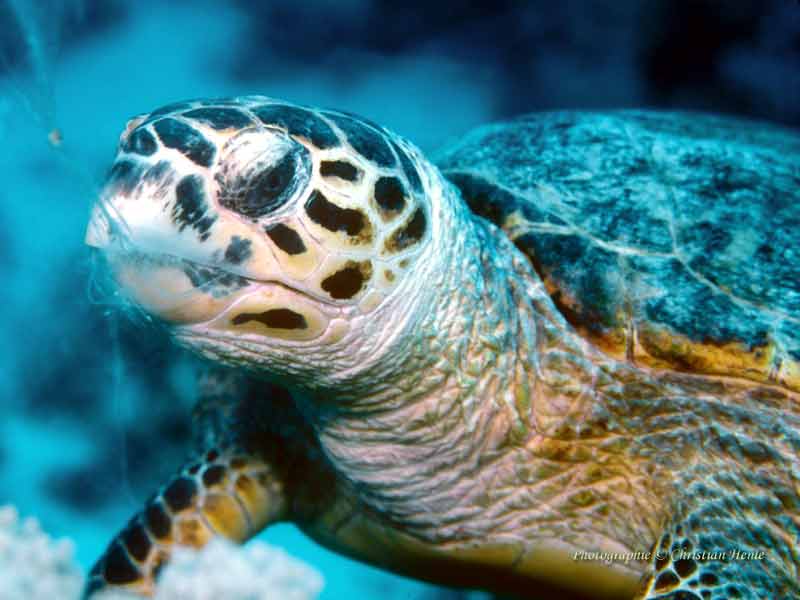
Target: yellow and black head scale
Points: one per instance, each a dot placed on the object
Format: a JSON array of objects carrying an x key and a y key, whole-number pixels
[{"x": 250, "y": 216}]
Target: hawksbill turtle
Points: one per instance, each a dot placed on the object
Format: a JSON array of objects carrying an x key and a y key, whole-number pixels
[{"x": 559, "y": 360}]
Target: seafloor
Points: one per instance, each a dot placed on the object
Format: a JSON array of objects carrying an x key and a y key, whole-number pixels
[{"x": 94, "y": 410}]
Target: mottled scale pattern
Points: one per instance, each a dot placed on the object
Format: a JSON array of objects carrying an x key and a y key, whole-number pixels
[
  {"x": 365, "y": 139},
  {"x": 666, "y": 239},
  {"x": 141, "y": 142},
  {"x": 351, "y": 187},
  {"x": 300, "y": 122},
  {"x": 177, "y": 134},
  {"x": 286, "y": 238},
  {"x": 220, "y": 117},
  {"x": 191, "y": 208},
  {"x": 124, "y": 176}
]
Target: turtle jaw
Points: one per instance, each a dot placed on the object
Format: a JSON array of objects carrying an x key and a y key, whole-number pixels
[
  {"x": 212, "y": 300},
  {"x": 267, "y": 312}
]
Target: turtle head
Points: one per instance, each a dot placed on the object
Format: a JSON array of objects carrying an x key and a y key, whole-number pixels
[{"x": 265, "y": 233}]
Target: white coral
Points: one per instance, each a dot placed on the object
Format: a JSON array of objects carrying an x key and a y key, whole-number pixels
[
  {"x": 222, "y": 570},
  {"x": 34, "y": 567}
]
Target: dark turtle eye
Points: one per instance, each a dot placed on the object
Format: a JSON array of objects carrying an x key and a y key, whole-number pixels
[
  {"x": 266, "y": 188},
  {"x": 274, "y": 181},
  {"x": 266, "y": 192}
]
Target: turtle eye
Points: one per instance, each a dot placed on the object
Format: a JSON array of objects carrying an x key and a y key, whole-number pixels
[
  {"x": 267, "y": 190},
  {"x": 256, "y": 178}
]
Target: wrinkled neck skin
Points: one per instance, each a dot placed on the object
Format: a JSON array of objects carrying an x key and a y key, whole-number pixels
[
  {"x": 488, "y": 420},
  {"x": 468, "y": 427}
]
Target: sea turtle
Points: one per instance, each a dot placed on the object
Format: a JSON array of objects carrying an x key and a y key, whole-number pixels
[{"x": 561, "y": 360}]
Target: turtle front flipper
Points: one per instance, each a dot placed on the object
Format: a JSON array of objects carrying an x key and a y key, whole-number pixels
[
  {"x": 235, "y": 489},
  {"x": 229, "y": 494}
]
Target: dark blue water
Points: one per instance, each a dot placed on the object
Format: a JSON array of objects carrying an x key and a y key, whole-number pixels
[{"x": 95, "y": 410}]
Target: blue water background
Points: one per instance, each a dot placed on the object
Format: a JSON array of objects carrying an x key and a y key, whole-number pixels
[{"x": 92, "y": 421}]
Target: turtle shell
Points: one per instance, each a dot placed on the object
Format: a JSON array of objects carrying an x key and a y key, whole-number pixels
[{"x": 670, "y": 240}]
